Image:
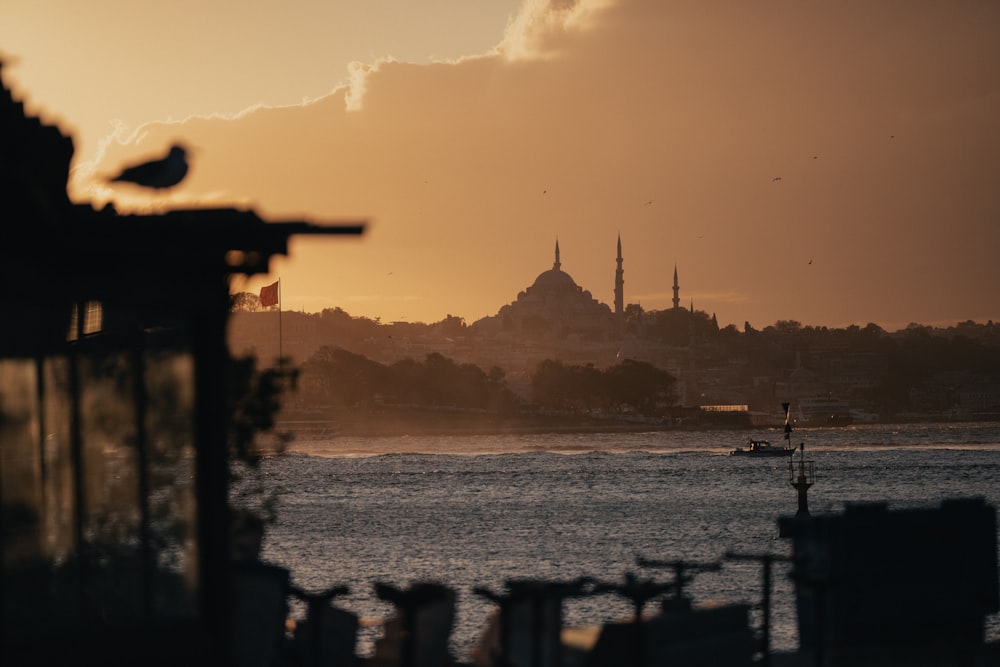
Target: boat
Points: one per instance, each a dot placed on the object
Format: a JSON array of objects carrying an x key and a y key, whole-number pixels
[
  {"x": 761, "y": 448},
  {"x": 765, "y": 448}
]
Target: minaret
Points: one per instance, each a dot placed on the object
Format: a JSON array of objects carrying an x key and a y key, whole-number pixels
[
  {"x": 620, "y": 283},
  {"x": 677, "y": 290},
  {"x": 556, "y": 266}
]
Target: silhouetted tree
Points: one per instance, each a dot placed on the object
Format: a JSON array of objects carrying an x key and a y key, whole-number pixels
[
  {"x": 451, "y": 326},
  {"x": 788, "y": 326},
  {"x": 245, "y": 302},
  {"x": 634, "y": 383},
  {"x": 550, "y": 384},
  {"x": 640, "y": 385},
  {"x": 633, "y": 318},
  {"x": 255, "y": 397},
  {"x": 343, "y": 378}
]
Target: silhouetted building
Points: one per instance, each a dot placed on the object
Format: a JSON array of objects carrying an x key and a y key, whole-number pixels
[
  {"x": 910, "y": 587},
  {"x": 677, "y": 291},
  {"x": 114, "y": 427},
  {"x": 620, "y": 285},
  {"x": 554, "y": 307}
]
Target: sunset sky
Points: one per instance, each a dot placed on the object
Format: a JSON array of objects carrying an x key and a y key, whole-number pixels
[{"x": 833, "y": 163}]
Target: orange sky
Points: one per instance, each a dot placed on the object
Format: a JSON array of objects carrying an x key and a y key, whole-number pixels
[{"x": 834, "y": 163}]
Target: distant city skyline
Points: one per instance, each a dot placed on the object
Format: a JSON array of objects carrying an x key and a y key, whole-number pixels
[{"x": 829, "y": 164}]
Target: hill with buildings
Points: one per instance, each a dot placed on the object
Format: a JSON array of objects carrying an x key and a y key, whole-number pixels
[
  {"x": 830, "y": 376},
  {"x": 556, "y": 353}
]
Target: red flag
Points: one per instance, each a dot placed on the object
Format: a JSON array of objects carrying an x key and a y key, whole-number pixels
[{"x": 269, "y": 295}]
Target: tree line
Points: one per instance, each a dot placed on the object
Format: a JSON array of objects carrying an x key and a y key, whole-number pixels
[
  {"x": 629, "y": 386},
  {"x": 335, "y": 377}
]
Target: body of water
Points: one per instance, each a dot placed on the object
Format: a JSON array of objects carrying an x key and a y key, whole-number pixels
[{"x": 470, "y": 511}]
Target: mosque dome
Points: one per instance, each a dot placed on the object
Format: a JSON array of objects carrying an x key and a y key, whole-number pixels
[
  {"x": 554, "y": 278},
  {"x": 554, "y": 306}
]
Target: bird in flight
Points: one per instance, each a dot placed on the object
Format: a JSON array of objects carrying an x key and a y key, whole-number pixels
[
  {"x": 158, "y": 174},
  {"x": 776, "y": 178}
]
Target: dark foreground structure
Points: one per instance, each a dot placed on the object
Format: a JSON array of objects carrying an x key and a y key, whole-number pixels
[
  {"x": 114, "y": 392},
  {"x": 878, "y": 587}
]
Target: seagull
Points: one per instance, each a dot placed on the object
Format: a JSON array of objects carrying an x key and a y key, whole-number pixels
[{"x": 158, "y": 174}]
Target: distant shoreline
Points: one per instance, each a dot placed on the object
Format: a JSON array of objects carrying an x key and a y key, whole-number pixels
[
  {"x": 415, "y": 421},
  {"x": 400, "y": 421},
  {"x": 360, "y": 428}
]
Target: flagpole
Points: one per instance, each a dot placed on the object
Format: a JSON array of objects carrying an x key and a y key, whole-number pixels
[{"x": 281, "y": 356}]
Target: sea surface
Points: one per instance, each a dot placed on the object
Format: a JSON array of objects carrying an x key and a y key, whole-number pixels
[{"x": 475, "y": 511}]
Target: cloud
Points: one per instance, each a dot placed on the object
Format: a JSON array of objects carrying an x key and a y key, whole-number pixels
[
  {"x": 358, "y": 74},
  {"x": 587, "y": 110},
  {"x": 529, "y": 35}
]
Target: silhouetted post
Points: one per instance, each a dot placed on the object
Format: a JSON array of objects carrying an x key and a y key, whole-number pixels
[
  {"x": 804, "y": 476},
  {"x": 409, "y": 603},
  {"x": 639, "y": 592},
  {"x": 281, "y": 348},
  {"x": 316, "y": 605},
  {"x": 801, "y": 476},
  {"x": 540, "y": 602},
  {"x": 681, "y": 570},
  {"x": 766, "y": 561}
]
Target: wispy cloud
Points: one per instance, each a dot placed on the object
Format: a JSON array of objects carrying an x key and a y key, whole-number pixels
[{"x": 358, "y": 74}]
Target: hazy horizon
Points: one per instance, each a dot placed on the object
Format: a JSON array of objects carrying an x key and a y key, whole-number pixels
[{"x": 832, "y": 164}]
